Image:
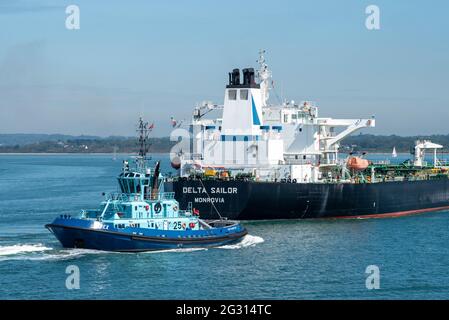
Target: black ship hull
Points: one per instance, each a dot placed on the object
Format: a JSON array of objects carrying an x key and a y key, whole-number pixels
[{"x": 249, "y": 200}]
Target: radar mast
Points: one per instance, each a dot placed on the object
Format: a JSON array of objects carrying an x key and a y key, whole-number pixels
[
  {"x": 143, "y": 131},
  {"x": 264, "y": 76}
]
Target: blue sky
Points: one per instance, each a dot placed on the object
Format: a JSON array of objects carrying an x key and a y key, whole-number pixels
[{"x": 159, "y": 58}]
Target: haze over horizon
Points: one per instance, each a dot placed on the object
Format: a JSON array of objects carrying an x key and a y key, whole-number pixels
[{"x": 157, "y": 59}]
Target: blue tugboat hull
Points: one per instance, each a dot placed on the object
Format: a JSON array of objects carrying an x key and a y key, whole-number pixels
[{"x": 80, "y": 233}]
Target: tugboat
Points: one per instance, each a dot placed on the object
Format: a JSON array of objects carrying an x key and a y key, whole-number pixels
[{"x": 142, "y": 217}]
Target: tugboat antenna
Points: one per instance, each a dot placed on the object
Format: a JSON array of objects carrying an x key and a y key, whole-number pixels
[{"x": 143, "y": 131}]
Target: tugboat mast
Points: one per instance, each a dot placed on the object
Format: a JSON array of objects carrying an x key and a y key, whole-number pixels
[{"x": 143, "y": 131}]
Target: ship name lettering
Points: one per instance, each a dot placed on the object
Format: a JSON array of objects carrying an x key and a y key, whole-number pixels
[
  {"x": 193, "y": 190},
  {"x": 221, "y": 190},
  {"x": 209, "y": 200}
]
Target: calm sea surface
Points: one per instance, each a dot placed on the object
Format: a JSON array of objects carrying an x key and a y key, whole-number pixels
[{"x": 322, "y": 259}]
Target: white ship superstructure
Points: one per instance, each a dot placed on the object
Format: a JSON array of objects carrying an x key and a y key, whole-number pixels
[{"x": 248, "y": 135}]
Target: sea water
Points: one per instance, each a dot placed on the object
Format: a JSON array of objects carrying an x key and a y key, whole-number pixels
[{"x": 308, "y": 259}]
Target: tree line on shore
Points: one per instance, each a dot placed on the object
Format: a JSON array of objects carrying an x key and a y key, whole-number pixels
[{"x": 90, "y": 144}]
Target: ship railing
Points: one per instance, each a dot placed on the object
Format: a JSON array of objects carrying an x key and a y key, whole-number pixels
[
  {"x": 381, "y": 162},
  {"x": 298, "y": 161},
  {"x": 184, "y": 213},
  {"x": 90, "y": 213},
  {"x": 442, "y": 163},
  {"x": 301, "y": 161},
  {"x": 332, "y": 162},
  {"x": 162, "y": 196},
  {"x": 136, "y": 196},
  {"x": 192, "y": 156},
  {"x": 118, "y": 196},
  {"x": 196, "y": 156}
]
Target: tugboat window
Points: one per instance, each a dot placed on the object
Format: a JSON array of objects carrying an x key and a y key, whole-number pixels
[
  {"x": 232, "y": 94},
  {"x": 131, "y": 186},
  {"x": 122, "y": 187}
]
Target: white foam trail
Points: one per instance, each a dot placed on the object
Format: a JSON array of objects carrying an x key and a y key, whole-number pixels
[
  {"x": 68, "y": 254},
  {"x": 22, "y": 248},
  {"x": 247, "y": 241},
  {"x": 176, "y": 250},
  {"x": 36, "y": 253}
]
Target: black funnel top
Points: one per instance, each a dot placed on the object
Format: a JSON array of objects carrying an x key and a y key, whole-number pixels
[{"x": 248, "y": 79}]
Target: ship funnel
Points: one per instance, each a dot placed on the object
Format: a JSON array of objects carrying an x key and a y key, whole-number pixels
[
  {"x": 248, "y": 77},
  {"x": 234, "y": 77}
]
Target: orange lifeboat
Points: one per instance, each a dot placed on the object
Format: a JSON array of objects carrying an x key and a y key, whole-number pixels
[{"x": 357, "y": 163}]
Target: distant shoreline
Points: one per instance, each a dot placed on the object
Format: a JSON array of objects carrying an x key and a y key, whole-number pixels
[
  {"x": 75, "y": 153},
  {"x": 63, "y": 144},
  {"x": 150, "y": 153}
]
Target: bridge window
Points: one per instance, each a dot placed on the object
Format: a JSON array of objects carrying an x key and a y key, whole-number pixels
[
  {"x": 243, "y": 94},
  {"x": 131, "y": 186},
  {"x": 232, "y": 94}
]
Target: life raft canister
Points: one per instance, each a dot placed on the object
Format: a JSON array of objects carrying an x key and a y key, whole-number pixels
[
  {"x": 175, "y": 208},
  {"x": 157, "y": 207}
]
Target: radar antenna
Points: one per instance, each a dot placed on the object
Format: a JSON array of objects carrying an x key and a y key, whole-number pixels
[{"x": 143, "y": 131}]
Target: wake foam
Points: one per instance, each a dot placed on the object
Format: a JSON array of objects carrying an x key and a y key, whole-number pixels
[
  {"x": 22, "y": 248},
  {"x": 247, "y": 241},
  {"x": 39, "y": 252},
  {"x": 66, "y": 254},
  {"x": 176, "y": 250}
]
